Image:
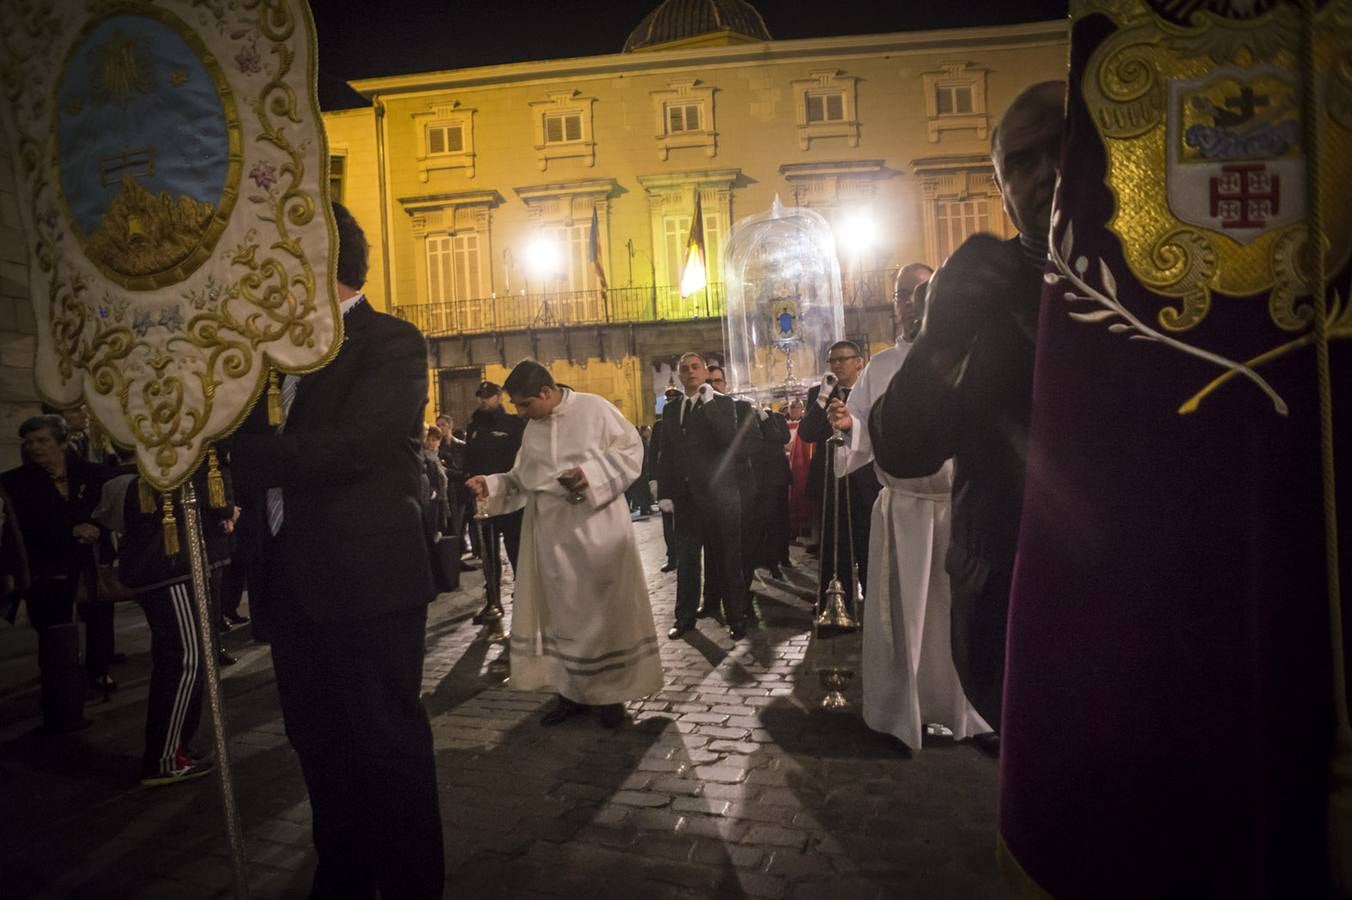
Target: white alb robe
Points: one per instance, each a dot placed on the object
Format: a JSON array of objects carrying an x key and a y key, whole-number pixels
[
  {"x": 908, "y": 674},
  {"x": 582, "y": 624}
]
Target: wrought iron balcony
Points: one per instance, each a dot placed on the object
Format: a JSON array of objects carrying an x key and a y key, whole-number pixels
[{"x": 526, "y": 311}]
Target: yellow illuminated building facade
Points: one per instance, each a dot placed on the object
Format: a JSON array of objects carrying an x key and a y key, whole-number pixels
[{"x": 478, "y": 187}]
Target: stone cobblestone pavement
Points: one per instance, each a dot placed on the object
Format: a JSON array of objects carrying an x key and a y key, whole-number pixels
[{"x": 731, "y": 782}]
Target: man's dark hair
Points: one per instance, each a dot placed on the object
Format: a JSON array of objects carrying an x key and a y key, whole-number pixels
[
  {"x": 53, "y": 423},
  {"x": 528, "y": 379},
  {"x": 352, "y": 248},
  {"x": 841, "y": 345},
  {"x": 717, "y": 368}
]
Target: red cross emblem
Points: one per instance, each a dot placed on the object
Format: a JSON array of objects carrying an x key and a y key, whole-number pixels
[{"x": 1244, "y": 195}]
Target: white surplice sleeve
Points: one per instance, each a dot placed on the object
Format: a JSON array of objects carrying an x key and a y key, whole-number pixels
[
  {"x": 505, "y": 491},
  {"x": 618, "y": 459}
]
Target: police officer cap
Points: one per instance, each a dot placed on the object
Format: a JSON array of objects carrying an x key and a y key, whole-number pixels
[
  {"x": 487, "y": 389},
  {"x": 672, "y": 394}
]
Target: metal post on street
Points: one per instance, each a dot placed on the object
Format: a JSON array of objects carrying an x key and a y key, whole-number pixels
[{"x": 197, "y": 558}]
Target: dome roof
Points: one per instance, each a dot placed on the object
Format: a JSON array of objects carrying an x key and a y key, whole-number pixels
[{"x": 676, "y": 20}]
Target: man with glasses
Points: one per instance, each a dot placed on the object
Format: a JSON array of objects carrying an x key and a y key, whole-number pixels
[{"x": 845, "y": 525}]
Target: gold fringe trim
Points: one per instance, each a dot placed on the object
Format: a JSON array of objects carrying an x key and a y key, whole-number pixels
[
  {"x": 274, "y": 399},
  {"x": 170, "y": 528},
  {"x": 215, "y": 481},
  {"x": 146, "y": 495}
]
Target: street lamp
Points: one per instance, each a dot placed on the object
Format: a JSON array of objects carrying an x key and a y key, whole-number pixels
[{"x": 857, "y": 232}]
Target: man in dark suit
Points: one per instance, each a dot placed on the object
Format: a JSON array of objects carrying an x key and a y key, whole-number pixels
[
  {"x": 698, "y": 473},
  {"x": 845, "y": 527},
  {"x": 966, "y": 390},
  {"x": 331, "y": 515}
]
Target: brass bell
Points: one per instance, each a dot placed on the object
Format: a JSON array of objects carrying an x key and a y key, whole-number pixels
[{"x": 834, "y": 614}]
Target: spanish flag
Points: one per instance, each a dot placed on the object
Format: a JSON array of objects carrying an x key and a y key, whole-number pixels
[
  {"x": 693, "y": 274},
  {"x": 594, "y": 253}
]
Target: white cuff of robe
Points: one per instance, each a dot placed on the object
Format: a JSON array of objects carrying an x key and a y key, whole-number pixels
[{"x": 501, "y": 498}]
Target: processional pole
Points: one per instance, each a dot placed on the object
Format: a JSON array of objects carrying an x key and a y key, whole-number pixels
[
  {"x": 1340, "y": 769},
  {"x": 201, "y": 589}
]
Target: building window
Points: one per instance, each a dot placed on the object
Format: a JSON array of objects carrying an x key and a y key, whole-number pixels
[
  {"x": 454, "y": 270},
  {"x": 445, "y": 135},
  {"x": 825, "y": 107},
  {"x": 442, "y": 139},
  {"x": 675, "y": 233},
  {"x": 828, "y": 107},
  {"x": 683, "y": 117},
  {"x": 337, "y": 177},
  {"x": 563, "y": 128},
  {"x": 953, "y": 99},
  {"x": 575, "y": 272},
  {"x": 957, "y": 220},
  {"x": 960, "y": 199},
  {"x": 955, "y": 102}
]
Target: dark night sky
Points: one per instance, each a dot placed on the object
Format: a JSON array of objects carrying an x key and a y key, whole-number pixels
[{"x": 361, "y": 39}]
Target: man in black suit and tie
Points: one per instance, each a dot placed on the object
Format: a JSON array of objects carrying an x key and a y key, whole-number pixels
[
  {"x": 859, "y": 489},
  {"x": 331, "y": 517},
  {"x": 697, "y": 471}
]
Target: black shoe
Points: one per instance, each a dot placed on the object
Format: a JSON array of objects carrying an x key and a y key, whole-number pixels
[
  {"x": 669, "y": 567},
  {"x": 117, "y": 658},
  {"x": 612, "y": 715},
  {"x": 777, "y": 573},
  {"x": 787, "y": 564},
  {"x": 737, "y": 631},
  {"x": 563, "y": 709},
  {"x": 678, "y": 630},
  {"x": 102, "y": 684},
  {"x": 225, "y": 659},
  {"x": 811, "y": 549},
  {"x": 235, "y": 618},
  {"x": 468, "y": 566},
  {"x": 988, "y": 742}
]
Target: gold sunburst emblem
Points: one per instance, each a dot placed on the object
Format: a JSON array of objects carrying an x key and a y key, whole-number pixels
[{"x": 123, "y": 69}]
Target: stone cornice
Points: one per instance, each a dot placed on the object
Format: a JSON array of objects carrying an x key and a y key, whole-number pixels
[{"x": 994, "y": 37}]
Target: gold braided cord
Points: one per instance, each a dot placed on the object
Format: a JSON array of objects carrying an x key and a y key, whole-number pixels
[{"x": 1340, "y": 781}]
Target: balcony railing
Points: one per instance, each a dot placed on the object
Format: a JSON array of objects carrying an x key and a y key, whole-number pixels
[{"x": 519, "y": 312}]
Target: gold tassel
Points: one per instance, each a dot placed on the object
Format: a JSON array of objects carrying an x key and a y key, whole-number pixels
[
  {"x": 274, "y": 399},
  {"x": 146, "y": 496},
  {"x": 215, "y": 482},
  {"x": 170, "y": 528}
]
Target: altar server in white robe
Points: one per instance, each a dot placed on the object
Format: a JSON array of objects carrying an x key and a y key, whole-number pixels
[
  {"x": 582, "y": 625},
  {"x": 909, "y": 678}
]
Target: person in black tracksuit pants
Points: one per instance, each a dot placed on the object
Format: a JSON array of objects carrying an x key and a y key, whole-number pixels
[
  {"x": 491, "y": 444},
  {"x": 163, "y": 588}
]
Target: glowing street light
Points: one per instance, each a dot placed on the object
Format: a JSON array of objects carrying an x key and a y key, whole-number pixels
[
  {"x": 542, "y": 257},
  {"x": 857, "y": 233}
]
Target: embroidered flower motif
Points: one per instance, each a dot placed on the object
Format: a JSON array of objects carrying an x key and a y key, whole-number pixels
[
  {"x": 264, "y": 174},
  {"x": 249, "y": 61}
]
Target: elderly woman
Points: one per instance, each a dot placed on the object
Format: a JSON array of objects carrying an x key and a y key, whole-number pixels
[{"x": 53, "y": 497}]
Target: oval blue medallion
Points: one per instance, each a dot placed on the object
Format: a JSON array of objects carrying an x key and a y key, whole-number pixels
[{"x": 145, "y": 127}]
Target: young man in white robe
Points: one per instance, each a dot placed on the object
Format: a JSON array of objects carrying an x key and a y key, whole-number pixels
[
  {"x": 582, "y": 625},
  {"x": 909, "y": 678}
]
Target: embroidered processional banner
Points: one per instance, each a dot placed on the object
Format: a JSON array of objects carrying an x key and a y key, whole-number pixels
[
  {"x": 1172, "y": 698},
  {"x": 171, "y": 169}
]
